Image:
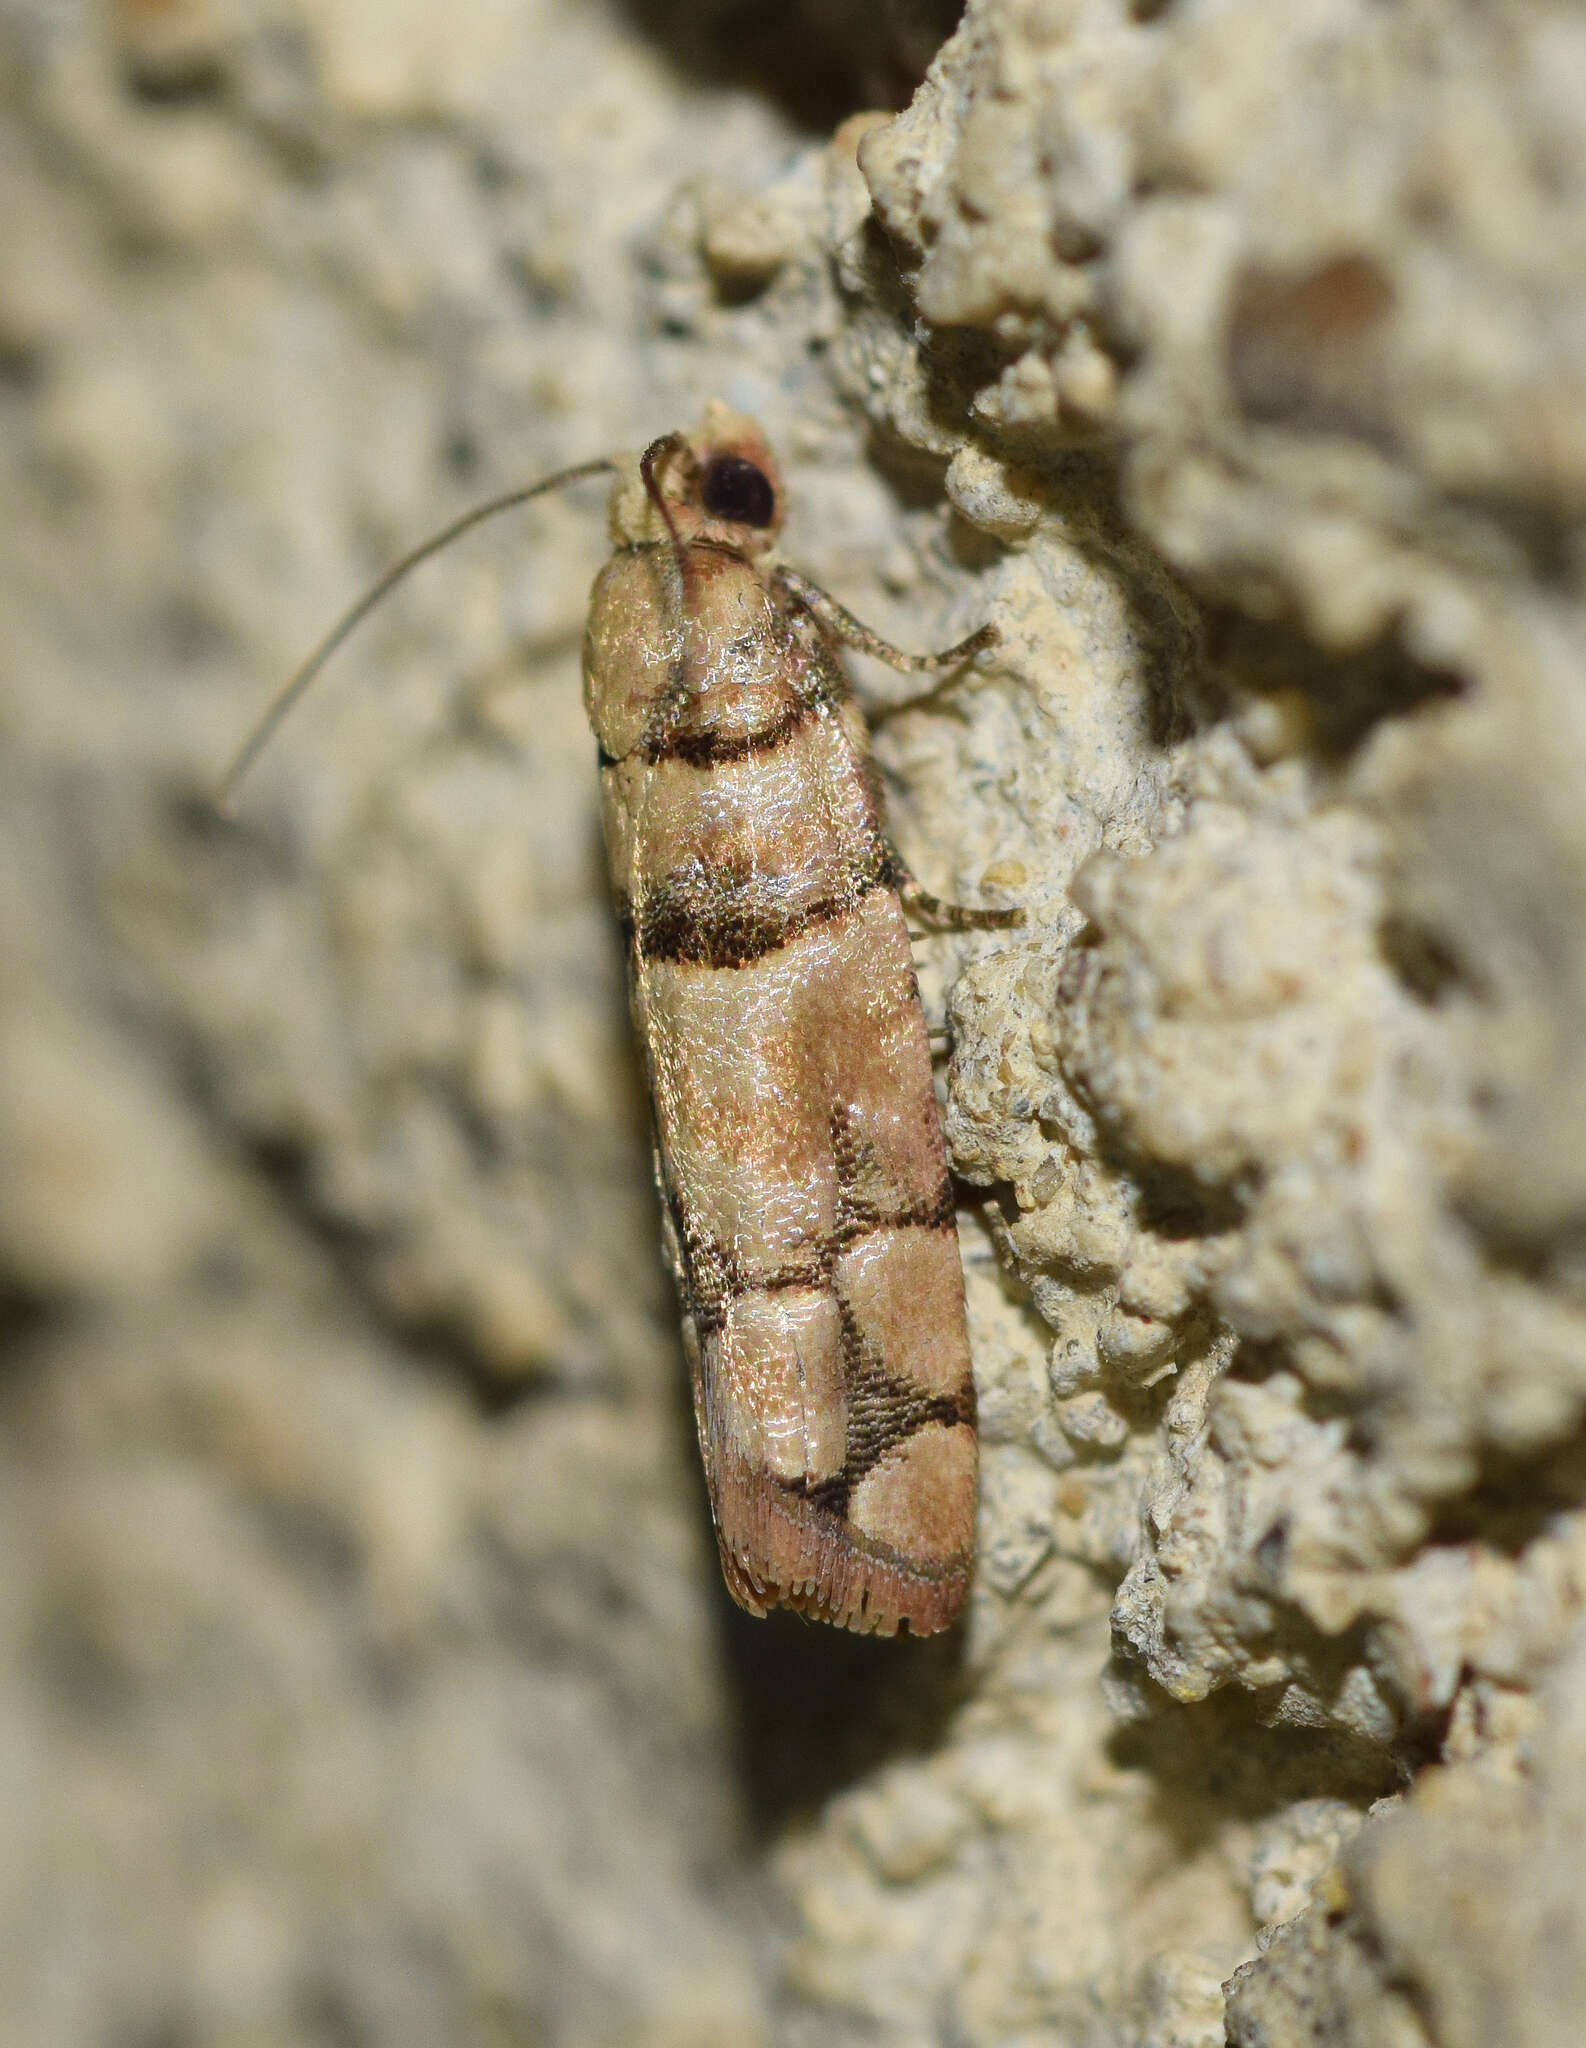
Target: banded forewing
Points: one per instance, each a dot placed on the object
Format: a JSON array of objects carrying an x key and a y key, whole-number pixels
[
  {"x": 808, "y": 1213},
  {"x": 807, "y": 1210}
]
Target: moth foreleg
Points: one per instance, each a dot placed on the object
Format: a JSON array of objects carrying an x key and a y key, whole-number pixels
[
  {"x": 848, "y": 631},
  {"x": 839, "y": 624}
]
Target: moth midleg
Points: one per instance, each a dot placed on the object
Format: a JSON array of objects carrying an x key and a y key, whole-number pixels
[{"x": 952, "y": 917}]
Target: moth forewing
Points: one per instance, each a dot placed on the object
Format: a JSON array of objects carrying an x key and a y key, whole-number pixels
[
  {"x": 808, "y": 1215},
  {"x": 810, "y": 1221}
]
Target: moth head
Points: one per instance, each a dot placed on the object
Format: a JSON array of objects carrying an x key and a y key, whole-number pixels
[{"x": 718, "y": 484}]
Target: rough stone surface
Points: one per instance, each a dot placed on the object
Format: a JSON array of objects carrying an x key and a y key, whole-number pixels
[{"x": 363, "y": 1671}]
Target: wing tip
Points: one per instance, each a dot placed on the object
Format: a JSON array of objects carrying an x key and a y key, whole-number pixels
[{"x": 779, "y": 1550}]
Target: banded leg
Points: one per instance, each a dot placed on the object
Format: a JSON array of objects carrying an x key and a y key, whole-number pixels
[
  {"x": 952, "y": 917},
  {"x": 840, "y": 623}
]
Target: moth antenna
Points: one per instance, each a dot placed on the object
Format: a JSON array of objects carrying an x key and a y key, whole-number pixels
[
  {"x": 677, "y": 583},
  {"x": 649, "y": 462},
  {"x": 267, "y": 726}
]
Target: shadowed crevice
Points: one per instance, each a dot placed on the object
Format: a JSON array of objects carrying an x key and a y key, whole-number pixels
[
  {"x": 817, "y": 60},
  {"x": 814, "y": 1709}
]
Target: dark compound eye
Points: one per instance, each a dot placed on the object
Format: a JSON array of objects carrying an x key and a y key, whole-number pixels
[{"x": 732, "y": 488}]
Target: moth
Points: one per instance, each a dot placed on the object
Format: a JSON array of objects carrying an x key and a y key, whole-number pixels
[{"x": 807, "y": 1210}]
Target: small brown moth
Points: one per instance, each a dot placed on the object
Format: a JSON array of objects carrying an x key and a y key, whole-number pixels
[{"x": 806, "y": 1205}]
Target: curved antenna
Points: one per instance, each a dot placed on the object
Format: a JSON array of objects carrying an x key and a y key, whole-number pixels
[
  {"x": 649, "y": 462},
  {"x": 267, "y": 726},
  {"x": 673, "y": 444}
]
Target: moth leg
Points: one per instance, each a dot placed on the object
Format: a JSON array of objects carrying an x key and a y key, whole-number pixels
[
  {"x": 951, "y": 917},
  {"x": 848, "y": 631},
  {"x": 841, "y": 625}
]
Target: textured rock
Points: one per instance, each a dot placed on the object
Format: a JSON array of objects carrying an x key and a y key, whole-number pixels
[
  {"x": 1231, "y": 360},
  {"x": 1289, "y": 1125},
  {"x": 1456, "y": 1919}
]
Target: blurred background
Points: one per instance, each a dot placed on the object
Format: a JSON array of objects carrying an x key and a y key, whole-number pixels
[{"x": 364, "y": 1671}]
